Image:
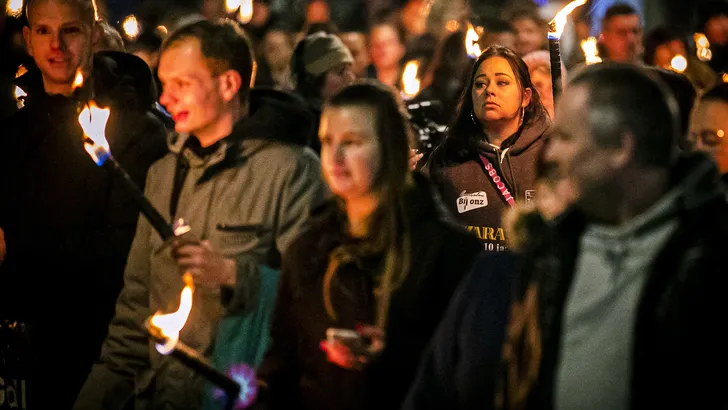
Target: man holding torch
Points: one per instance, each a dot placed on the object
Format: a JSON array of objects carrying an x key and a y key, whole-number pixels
[
  {"x": 67, "y": 225},
  {"x": 240, "y": 175}
]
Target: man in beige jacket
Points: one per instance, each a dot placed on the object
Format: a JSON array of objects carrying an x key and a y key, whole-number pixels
[{"x": 239, "y": 175}]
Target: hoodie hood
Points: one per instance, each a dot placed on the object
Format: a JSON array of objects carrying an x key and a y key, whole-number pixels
[
  {"x": 119, "y": 79},
  {"x": 523, "y": 138}
]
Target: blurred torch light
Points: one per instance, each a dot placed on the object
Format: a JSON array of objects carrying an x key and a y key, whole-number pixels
[
  {"x": 591, "y": 51},
  {"x": 20, "y": 97},
  {"x": 162, "y": 31},
  {"x": 78, "y": 79},
  {"x": 246, "y": 11},
  {"x": 472, "y": 48},
  {"x": 410, "y": 82},
  {"x": 21, "y": 70},
  {"x": 702, "y": 47},
  {"x": 231, "y": 6},
  {"x": 724, "y": 77},
  {"x": 14, "y": 8},
  {"x": 679, "y": 63},
  {"x": 131, "y": 27}
]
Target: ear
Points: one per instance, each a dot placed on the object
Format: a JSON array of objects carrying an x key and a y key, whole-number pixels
[
  {"x": 624, "y": 154},
  {"x": 26, "y": 37},
  {"x": 527, "y": 95},
  {"x": 96, "y": 32},
  {"x": 229, "y": 86}
]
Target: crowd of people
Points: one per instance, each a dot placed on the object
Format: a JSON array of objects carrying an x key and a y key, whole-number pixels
[{"x": 549, "y": 250}]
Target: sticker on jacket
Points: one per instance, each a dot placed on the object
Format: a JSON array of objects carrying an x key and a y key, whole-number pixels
[
  {"x": 468, "y": 202},
  {"x": 530, "y": 195}
]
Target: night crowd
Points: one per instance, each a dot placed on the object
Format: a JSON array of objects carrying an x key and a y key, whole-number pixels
[{"x": 351, "y": 233}]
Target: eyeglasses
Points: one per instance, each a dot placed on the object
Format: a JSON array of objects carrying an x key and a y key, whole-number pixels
[{"x": 707, "y": 137}]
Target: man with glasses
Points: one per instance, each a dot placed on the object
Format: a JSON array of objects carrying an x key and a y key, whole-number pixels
[{"x": 709, "y": 125}]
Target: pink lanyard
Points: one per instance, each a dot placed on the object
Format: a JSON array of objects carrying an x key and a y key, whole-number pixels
[{"x": 497, "y": 181}]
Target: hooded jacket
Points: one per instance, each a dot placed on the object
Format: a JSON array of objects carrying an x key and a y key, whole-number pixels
[
  {"x": 296, "y": 373},
  {"x": 68, "y": 223},
  {"x": 471, "y": 194},
  {"x": 250, "y": 197}
]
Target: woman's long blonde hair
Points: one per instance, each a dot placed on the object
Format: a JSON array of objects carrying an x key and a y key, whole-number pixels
[{"x": 389, "y": 233}]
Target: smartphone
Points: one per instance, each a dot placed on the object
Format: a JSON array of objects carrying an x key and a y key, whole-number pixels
[{"x": 346, "y": 337}]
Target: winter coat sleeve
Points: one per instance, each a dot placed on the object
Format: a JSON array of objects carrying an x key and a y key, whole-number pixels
[{"x": 125, "y": 351}]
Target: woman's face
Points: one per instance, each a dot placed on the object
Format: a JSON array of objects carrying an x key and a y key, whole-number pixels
[
  {"x": 496, "y": 94},
  {"x": 350, "y": 153},
  {"x": 336, "y": 79},
  {"x": 529, "y": 36},
  {"x": 386, "y": 48}
]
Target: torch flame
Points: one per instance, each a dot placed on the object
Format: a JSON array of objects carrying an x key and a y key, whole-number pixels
[
  {"x": 231, "y": 6},
  {"x": 591, "y": 51},
  {"x": 21, "y": 70},
  {"x": 171, "y": 324},
  {"x": 556, "y": 26},
  {"x": 78, "y": 80},
  {"x": 246, "y": 11},
  {"x": 679, "y": 63},
  {"x": 410, "y": 82},
  {"x": 14, "y": 8},
  {"x": 703, "y": 47},
  {"x": 93, "y": 122},
  {"x": 724, "y": 77},
  {"x": 20, "y": 97},
  {"x": 471, "y": 42},
  {"x": 131, "y": 27}
]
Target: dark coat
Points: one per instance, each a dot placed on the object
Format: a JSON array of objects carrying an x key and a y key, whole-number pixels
[
  {"x": 677, "y": 352},
  {"x": 296, "y": 372},
  {"x": 68, "y": 224}
]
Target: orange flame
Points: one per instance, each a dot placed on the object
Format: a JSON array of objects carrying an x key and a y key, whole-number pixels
[
  {"x": 679, "y": 63},
  {"x": 556, "y": 26},
  {"x": 21, "y": 70},
  {"x": 471, "y": 42},
  {"x": 703, "y": 47},
  {"x": 410, "y": 82},
  {"x": 14, "y": 8},
  {"x": 231, "y": 6},
  {"x": 78, "y": 80},
  {"x": 171, "y": 324},
  {"x": 246, "y": 11},
  {"x": 20, "y": 97},
  {"x": 724, "y": 78},
  {"x": 93, "y": 122},
  {"x": 591, "y": 52}
]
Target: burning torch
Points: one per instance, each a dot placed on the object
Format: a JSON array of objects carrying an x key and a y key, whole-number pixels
[
  {"x": 410, "y": 81},
  {"x": 556, "y": 28},
  {"x": 164, "y": 329}
]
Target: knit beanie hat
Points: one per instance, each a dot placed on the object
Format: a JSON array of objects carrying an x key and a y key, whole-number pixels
[{"x": 324, "y": 52}]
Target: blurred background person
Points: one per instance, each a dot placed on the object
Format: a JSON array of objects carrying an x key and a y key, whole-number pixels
[
  {"x": 684, "y": 92},
  {"x": 498, "y": 32},
  {"x": 380, "y": 258},
  {"x": 621, "y": 36},
  {"x": 662, "y": 45},
  {"x": 539, "y": 68},
  {"x": 487, "y": 162},
  {"x": 276, "y": 51},
  {"x": 110, "y": 39},
  {"x": 356, "y": 42},
  {"x": 321, "y": 66},
  {"x": 709, "y": 126},
  {"x": 530, "y": 30},
  {"x": 386, "y": 51},
  {"x": 713, "y": 22}
]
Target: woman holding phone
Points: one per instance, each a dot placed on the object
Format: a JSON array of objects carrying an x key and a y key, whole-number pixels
[{"x": 363, "y": 289}]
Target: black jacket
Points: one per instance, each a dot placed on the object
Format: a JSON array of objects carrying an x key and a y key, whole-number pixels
[
  {"x": 69, "y": 224},
  {"x": 296, "y": 372},
  {"x": 677, "y": 352}
]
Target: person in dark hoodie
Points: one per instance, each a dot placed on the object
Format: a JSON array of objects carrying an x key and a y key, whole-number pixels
[
  {"x": 487, "y": 161},
  {"x": 241, "y": 177},
  {"x": 383, "y": 258},
  {"x": 67, "y": 223}
]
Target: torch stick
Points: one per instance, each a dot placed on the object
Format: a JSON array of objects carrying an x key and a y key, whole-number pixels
[
  {"x": 555, "y": 57},
  {"x": 193, "y": 360}
]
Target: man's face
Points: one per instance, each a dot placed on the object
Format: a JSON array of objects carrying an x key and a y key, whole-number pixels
[
  {"x": 529, "y": 36},
  {"x": 190, "y": 92},
  {"x": 708, "y": 128},
  {"x": 357, "y": 44},
  {"x": 622, "y": 37},
  {"x": 60, "y": 42},
  {"x": 577, "y": 158}
]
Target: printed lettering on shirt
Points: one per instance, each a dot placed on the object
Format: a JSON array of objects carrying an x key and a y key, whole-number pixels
[
  {"x": 494, "y": 237},
  {"x": 530, "y": 195},
  {"x": 467, "y": 202}
]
